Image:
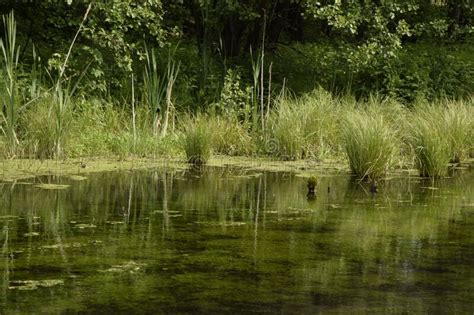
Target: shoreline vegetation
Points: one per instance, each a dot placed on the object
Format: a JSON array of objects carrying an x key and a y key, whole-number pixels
[
  {"x": 18, "y": 170},
  {"x": 62, "y": 124},
  {"x": 370, "y": 138}
]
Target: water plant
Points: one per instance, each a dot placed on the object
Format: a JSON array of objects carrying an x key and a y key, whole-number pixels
[{"x": 369, "y": 142}]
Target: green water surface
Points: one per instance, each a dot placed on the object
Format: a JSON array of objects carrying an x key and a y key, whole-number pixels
[{"x": 225, "y": 240}]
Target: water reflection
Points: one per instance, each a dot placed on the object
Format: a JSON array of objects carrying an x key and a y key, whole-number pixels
[{"x": 226, "y": 239}]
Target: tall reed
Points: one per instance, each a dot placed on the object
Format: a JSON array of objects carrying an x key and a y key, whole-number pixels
[
  {"x": 9, "y": 94},
  {"x": 62, "y": 96},
  {"x": 158, "y": 90},
  {"x": 154, "y": 88}
]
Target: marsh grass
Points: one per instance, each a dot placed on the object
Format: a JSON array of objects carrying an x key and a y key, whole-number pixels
[
  {"x": 369, "y": 142},
  {"x": 305, "y": 127},
  {"x": 458, "y": 123},
  {"x": 430, "y": 140},
  {"x": 230, "y": 136},
  {"x": 197, "y": 139},
  {"x": 287, "y": 131},
  {"x": 40, "y": 125}
]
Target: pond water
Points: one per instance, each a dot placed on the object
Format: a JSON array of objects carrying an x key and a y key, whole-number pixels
[{"x": 221, "y": 240}]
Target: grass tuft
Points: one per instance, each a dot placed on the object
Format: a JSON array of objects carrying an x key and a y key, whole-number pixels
[
  {"x": 370, "y": 143},
  {"x": 197, "y": 139},
  {"x": 230, "y": 136},
  {"x": 430, "y": 141},
  {"x": 305, "y": 127}
]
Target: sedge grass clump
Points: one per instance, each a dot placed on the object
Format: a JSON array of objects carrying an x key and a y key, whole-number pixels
[
  {"x": 305, "y": 127},
  {"x": 320, "y": 113},
  {"x": 40, "y": 127},
  {"x": 370, "y": 144},
  {"x": 287, "y": 132},
  {"x": 458, "y": 123},
  {"x": 197, "y": 139},
  {"x": 230, "y": 136},
  {"x": 430, "y": 141}
]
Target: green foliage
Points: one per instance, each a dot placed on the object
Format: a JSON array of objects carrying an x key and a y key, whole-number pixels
[
  {"x": 402, "y": 50},
  {"x": 234, "y": 100},
  {"x": 419, "y": 70}
]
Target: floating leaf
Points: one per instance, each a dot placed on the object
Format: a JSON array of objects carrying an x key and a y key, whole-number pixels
[
  {"x": 77, "y": 177},
  {"x": 52, "y": 186}
]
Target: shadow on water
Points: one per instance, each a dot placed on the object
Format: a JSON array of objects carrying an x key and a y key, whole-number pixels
[{"x": 228, "y": 239}]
